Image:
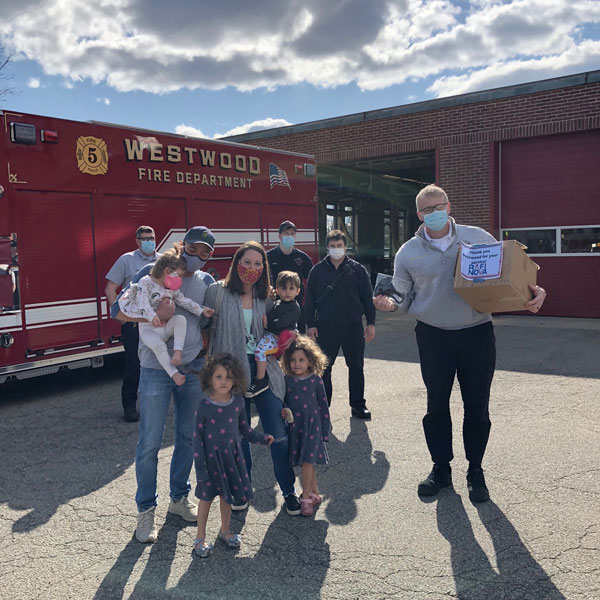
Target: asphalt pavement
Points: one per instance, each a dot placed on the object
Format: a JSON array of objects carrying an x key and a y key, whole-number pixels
[{"x": 67, "y": 480}]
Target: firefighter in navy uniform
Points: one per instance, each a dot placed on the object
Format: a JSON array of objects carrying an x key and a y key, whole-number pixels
[
  {"x": 287, "y": 258},
  {"x": 120, "y": 274},
  {"x": 338, "y": 294}
]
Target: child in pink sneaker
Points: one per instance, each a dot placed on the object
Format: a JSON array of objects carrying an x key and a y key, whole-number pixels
[{"x": 303, "y": 362}]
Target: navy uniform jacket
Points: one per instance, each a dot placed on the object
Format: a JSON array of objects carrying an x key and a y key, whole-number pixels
[{"x": 296, "y": 261}]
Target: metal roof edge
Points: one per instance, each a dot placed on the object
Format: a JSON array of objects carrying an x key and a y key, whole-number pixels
[{"x": 520, "y": 89}]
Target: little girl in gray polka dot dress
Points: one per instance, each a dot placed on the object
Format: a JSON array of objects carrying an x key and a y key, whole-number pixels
[
  {"x": 303, "y": 363},
  {"x": 220, "y": 466}
]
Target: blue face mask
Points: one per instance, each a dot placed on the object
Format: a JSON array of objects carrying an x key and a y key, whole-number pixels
[
  {"x": 288, "y": 241},
  {"x": 437, "y": 220},
  {"x": 148, "y": 246},
  {"x": 193, "y": 263}
]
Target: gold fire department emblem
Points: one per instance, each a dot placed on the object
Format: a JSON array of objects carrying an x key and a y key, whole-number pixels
[{"x": 92, "y": 155}]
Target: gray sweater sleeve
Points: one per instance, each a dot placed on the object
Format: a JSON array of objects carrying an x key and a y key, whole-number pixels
[{"x": 403, "y": 282}]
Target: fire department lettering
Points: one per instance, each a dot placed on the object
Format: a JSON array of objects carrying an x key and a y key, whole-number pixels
[
  {"x": 165, "y": 176},
  {"x": 136, "y": 150},
  {"x": 92, "y": 155}
]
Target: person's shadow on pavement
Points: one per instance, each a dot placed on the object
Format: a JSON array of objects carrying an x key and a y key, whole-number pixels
[
  {"x": 354, "y": 471},
  {"x": 518, "y": 575},
  {"x": 153, "y": 581},
  {"x": 291, "y": 562}
]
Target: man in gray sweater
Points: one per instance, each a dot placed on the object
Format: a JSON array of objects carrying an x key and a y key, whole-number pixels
[{"x": 453, "y": 338}]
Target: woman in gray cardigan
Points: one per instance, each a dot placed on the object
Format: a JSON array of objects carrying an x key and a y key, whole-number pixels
[{"x": 240, "y": 304}]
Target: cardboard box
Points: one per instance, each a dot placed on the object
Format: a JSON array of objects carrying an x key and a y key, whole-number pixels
[{"x": 482, "y": 289}]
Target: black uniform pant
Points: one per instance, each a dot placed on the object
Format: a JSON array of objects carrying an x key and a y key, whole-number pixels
[
  {"x": 350, "y": 337},
  {"x": 131, "y": 374},
  {"x": 301, "y": 325},
  {"x": 470, "y": 354}
]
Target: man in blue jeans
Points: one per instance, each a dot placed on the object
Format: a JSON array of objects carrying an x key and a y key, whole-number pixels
[{"x": 155, "y": 391}]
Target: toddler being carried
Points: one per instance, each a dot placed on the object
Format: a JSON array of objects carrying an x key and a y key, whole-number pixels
[{"x": 155, "y": 293}]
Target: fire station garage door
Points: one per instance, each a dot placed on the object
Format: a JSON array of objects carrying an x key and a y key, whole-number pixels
[{"x": 549, "y": 201}]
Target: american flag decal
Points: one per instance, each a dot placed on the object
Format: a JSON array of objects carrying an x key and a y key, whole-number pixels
[{"x": 278, "y": 176}]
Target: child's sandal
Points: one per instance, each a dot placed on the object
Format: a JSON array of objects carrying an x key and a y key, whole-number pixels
[
  {"x": 306, "y": 507},
  {"x": 316, "y": 499},
  {"x": 202, "y": 550},
  {"x": 235, "y": 541}
]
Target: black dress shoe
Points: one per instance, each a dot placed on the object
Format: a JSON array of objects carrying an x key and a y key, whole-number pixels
[
  {"x": 362, "y": 413},
  {"x": 131, "y": 416},
  {"x": 476, "y": 487},
  {"x": 440, "y": 477}
]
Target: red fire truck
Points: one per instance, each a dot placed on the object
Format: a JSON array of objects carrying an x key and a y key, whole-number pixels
[{"x": 72, "y": 195}]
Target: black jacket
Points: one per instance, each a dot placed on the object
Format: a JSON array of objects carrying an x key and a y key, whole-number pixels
[
  {"x": 283, "y": 315},
  {"x": 296, "y": 261},
  {"x": 352, "y": 296}
]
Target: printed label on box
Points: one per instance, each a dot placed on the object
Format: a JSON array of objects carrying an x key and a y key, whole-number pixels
[{"x": 480, "y": 262}]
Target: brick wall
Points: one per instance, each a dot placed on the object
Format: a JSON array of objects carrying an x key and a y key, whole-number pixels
[{"x": 463, "y": 137}]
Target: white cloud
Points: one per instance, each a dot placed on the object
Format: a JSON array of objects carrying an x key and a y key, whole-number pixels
[
  {"x": 158, "y": 47},
  {"x": 105, "y": 101},
  {"x": 33, "y": 82},
  {"x": 575, "y": 60},
  {"x": 268, "y": 123},
  {"x": 189, "y": 131}
]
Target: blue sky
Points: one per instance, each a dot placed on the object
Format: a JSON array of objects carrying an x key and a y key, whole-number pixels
[{"x": 212, "y": 68}]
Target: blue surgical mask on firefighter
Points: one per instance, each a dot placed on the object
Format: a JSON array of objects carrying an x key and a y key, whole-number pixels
[
  {"x": 437, "y": 220},
  {"x": 193, "y": 263},
  {"x": 148, "y": 246},
  {"x": 288, "y": 241}
]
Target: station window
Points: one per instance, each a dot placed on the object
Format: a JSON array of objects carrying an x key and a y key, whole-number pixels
[
  {"x": 401, "y": 227},
  {"x": 349, "y": 224},
  {"x": 330, "y": 217},
  {"x": 538, "y": 241},
  {"x": 557, "y": 240},
  {"x": 580, "y": 240},
  {"x": 387, "y": 234}
]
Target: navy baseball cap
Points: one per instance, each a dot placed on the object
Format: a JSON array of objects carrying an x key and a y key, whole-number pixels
[
  {"x": 287, "y": 225},
  {"x": 200, "y": 235}
]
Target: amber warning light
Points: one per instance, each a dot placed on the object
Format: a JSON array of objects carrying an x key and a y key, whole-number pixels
[{"x": 49, "y": 136}]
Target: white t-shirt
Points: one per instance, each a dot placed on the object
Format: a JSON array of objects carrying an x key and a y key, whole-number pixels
[{"x": 442, "y": 243}]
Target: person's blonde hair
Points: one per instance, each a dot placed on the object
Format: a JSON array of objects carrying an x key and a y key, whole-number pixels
[
  {"x": 171, "y": 259},
  {"x": 431, "y": 190},
  {"x": 317, "y": 361}
]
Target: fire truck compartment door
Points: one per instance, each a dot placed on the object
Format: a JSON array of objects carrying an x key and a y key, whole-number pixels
[
  {"x": 6, "y": 290},
  {"x": 57, "y": 270},
  {"x": 5, "y": 252}
]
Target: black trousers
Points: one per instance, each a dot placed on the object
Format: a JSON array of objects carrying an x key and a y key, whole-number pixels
[
  {"x": 301, "y": 325},
  {"x": 470, "y": 354},
  {"x": 350, "y": 337},
  {"x": 131, "y": 373}
]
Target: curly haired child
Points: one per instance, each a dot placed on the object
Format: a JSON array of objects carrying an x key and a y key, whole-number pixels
[
  {"x": 220, "y": 466},
  {"x": 304, "y": 362}
]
